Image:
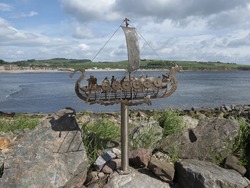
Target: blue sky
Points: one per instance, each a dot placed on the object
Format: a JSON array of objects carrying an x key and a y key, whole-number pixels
[{"x": 197, "y": 30}]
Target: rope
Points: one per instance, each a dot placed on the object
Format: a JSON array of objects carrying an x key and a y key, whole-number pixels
[{"x": 106, "y": 43}]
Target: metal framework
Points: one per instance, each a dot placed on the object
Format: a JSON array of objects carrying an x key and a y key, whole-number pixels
[{"x": 128, "y": 91}]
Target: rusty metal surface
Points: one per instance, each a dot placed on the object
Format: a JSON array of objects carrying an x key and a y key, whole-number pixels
[{"x": 130, "y": 92}]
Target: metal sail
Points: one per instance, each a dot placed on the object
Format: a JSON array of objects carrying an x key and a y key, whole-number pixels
[{"x": 133, "y": 48}]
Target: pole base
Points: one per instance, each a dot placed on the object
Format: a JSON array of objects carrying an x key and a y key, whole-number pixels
[{"x": 122, "y": 172}]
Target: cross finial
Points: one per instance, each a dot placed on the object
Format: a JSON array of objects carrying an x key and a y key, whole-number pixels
[{"x": 126, "y": 20}]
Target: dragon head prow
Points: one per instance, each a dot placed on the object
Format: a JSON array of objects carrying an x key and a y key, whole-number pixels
[
  {"x": 71, "y": 74},
  {"x": 176, "y": 67}
]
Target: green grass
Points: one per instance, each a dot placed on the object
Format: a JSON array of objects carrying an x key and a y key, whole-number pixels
[
  {"x": 146, "y": 138},
  {"x": 104, "y": 129},
  {"x": 173, "y": 154},
  {"x": 241, "y": 147},
  {"x": 145, "y": 63},
  {"x": 98, "y": 136},
  {"x": 170, "y": 122},
  {"x": 18, "y": 122}
]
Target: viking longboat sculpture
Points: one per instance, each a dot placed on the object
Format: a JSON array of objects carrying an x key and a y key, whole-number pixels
[{"x": 130, "y": 90}]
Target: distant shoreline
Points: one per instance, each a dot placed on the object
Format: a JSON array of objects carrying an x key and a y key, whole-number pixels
[
  {"x": 94, "y": 70},
  {"x": 29, "y": 71},
  {"x": 54, "y": 70},
  {"x": 58, "y": 70}
]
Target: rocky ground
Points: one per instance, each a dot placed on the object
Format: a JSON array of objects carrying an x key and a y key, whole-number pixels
[{"x": 201, "y": 155}]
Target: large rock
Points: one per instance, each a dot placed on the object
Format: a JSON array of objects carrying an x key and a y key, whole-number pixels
[
  {"x": 4, "y": 143},
  {"x": 164, "y": 170},
  {"x": 248, "y": 171},
  {"x": 135, "y": 179},
  {"x": 103, "y": 159},
  {"x": 233, "y": 162},
  {"x": 51, "y": 155},
  {"x": 145, "y": 134},
  {"x": 211, "y": 140},
  {"x": 189, "y": 122},
  {"x": 191, "y": 173},
  {"x": 139, "y": 157},
  {"x": 112, "y": 165},
  {"x": 1, "y": 163}
]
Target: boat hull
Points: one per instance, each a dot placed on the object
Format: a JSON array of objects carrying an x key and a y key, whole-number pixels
[{"x": 130, "y": 92}]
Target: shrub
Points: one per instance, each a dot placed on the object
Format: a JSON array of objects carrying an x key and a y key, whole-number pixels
[{"x": 170, "y": 122}]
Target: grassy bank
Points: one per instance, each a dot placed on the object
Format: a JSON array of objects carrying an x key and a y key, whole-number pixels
[{"x": 145, "y": 64}]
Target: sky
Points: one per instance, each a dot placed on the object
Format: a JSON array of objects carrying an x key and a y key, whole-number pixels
[{"x": 194, "y": 30}]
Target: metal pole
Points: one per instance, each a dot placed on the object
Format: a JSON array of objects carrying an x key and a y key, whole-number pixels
[{"x": 124, "y": 137}]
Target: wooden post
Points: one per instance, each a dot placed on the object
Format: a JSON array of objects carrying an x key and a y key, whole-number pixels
[{"x": 124, "y": 137}]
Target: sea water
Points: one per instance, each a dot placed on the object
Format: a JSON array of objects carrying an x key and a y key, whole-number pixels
[{"x": 50, "y": 92}]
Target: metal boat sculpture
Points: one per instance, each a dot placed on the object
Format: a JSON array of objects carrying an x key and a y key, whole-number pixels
[{"x": 129, "y": 90}]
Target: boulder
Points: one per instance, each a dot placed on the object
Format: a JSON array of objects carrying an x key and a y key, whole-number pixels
[
  {"x": 1, "y": 163},
  {"x": 103, "y": 159},
  {"x": 84, "y": 119},
  {"x": 161, "y": 156},
  {"x": 117, "y": 152},
  {"x": 141, "y": 115},
  {"x": 145, "y": 134},
  {"x": 189, "y": 122},
  {"x": 51, "y": 155},
  {"x": 112, "y": 165},
  {"x": 192, "y": 173},
  {"x": 248, "y": 171},
  {"x": 135, "y": 179},
  {"x": 4, "y": 143},
  {"x": 164, "y": 170},
  {"x": 107, "y": 169},
  {"x": 7, "y": 114},
  {"x": 233, "y": 162},
  {"x": 139, "y": 157},
  {"x": 211, "y": 140}
]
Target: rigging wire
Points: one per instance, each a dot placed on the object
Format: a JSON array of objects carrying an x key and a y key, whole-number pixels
[
  {"x": 106, "y": 42},
  {"x": 147, "y": 43}
]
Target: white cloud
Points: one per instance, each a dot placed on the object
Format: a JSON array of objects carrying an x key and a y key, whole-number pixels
[
  {"x": 81, "y": 31},
  {"x": 5, "y": 7},
  {"x": 201, "y": 30},
  {"x": 88, "y": 10},
  {"x": 23, "y": 15},
  {"x": 19, "y": 44},
  {"x": 84, "y": 47},
  {"x": 10, "y": 36},
  {"x": 178, "y": 9},
  {"x": 243, "y": 40},
  {"x": 32, "y": 13}
]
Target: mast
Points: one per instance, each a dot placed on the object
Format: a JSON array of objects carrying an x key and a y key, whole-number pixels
[
  {"x": 126, "y": 20},
  {"x": 133, "y": 49}
]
